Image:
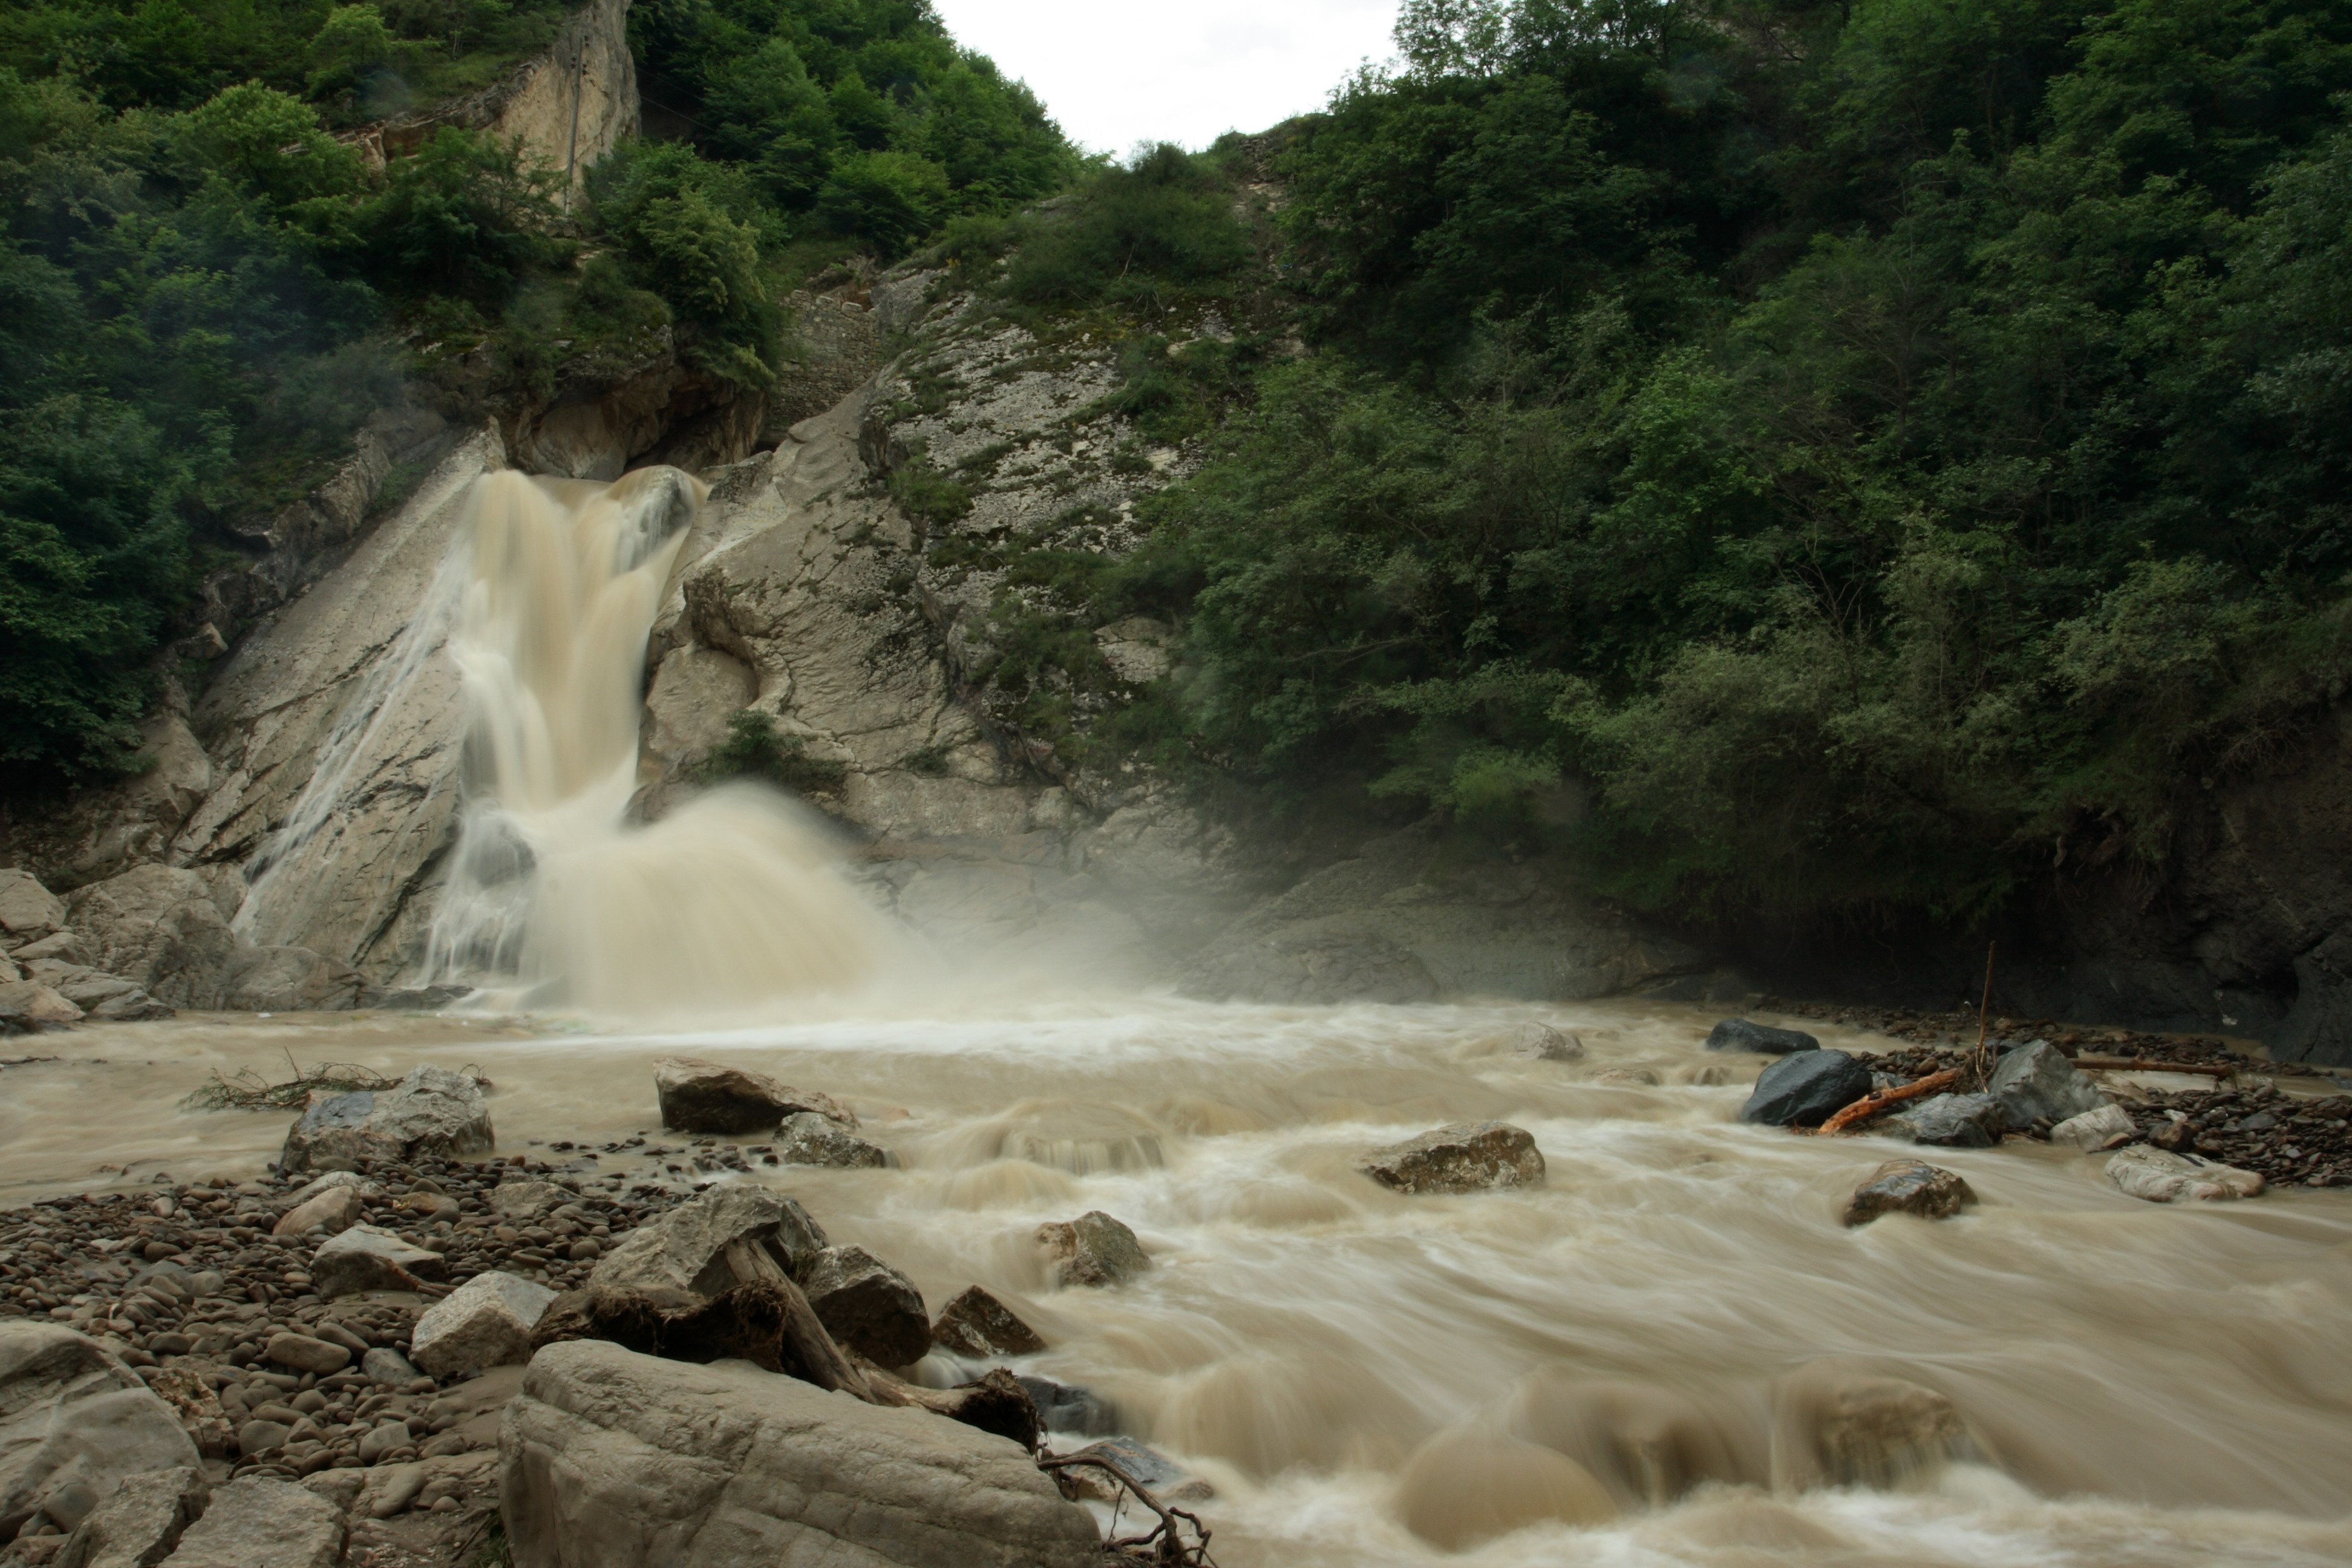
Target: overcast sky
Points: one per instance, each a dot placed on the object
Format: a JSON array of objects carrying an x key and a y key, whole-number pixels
[{"x": 1116, "y": 72}]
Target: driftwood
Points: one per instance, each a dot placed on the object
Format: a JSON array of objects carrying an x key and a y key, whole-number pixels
[
  {"x": 1870, "y": 1105},
  {"x": 2142, "y": 1064},
  {"x": 993, "y": 1403},
  {"x": 821, "y": 1361},
  {"x": 1162, "y": 1545},
  {"x": 745, "y": 1323}
]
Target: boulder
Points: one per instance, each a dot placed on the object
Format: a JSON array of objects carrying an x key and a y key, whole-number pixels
[
  {"x": 686, "y": 1248},
  {"x": 976, "y": 1323},
  {"x": 38, "y": 1004},
  {"x": 1806, "y": 1088},
  {"x": 1908, "y": 1187},
  {"x": 261, "y": 1521},
  {"x": 366, "y": 1259},
  {"x": 2161, "y": 1177},
  {"x": 160, "y": 926},
  {"x": 866, "y": 1305},
  {"x": 1093, "y": 1249},
  {"x": 389, "y": 1367},
  {"x": 1955, "y": 1121},
  {"x": 2108, "y": 1127},
  {"x": 61, "y": 946},
  {"x": 1544, "y": 1042},
  {"x": 27, "y": 910},
  {"x": 111, "y": 999},
  {"x": 301, "y": 1353},
  {"x": 1739, "y": 1035},
  {"x": 1837, "y": 1423},
  {"x": 337, "y": 1208},
  {"x": 1067, "y": 1407},
  {"x": 69, "y": 1411},
  {"x": 612, "y": 1459},
  {"x": 431, "y": 1111},
  {"x": 706, "y": 1096},
  {"x": 2037, "y": 1083},
  {"x": 140, "y": 1523},
  {"x": 1166, "y": 1479},
  {"x": 289, "y": 980},
  {"x": 1468, "y": 1157},
  {"x": 807, "y": 1138},
  {"x": 485, "y": 1322}
]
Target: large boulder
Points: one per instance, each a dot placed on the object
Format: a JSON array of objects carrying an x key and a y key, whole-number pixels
[
  {"x": 289, "y": 980},
  {"x": 1908, "y": 1187},
  {"x": 1955, "y": 1121},
  {"x": 807, "y": 1138},
  {"x": 2157, "y": 1176},
  {"x": 977, "y": 1324},
  {"x": 1739, "y": 1035},
  {"x": 1093, "y": 1249},
  {"x": 70, "y": 1414},
  {"x": 261, "y": 1521},
  {"x": 1841, "y": 1423},
  {"x": 707, "y": 1097},
  {"x": 485, "y": 1322},
  {"x": 1468, "y": 1157},
  {"x": 163, "y": 927},
  {"x": 686, "y": 1248},
  {"x": 29, "y": 911},
  {"x": 431, "y": 1111},
  {"x": 866, "y": 1305},
  {"x": 1806, "y": 1088},
  {"x": 612, "y": 1460},
  {"x": 39, "y": 1005},
  {"x": 139, "y": 1525},
  {"x": 2037, "y": 1083}
]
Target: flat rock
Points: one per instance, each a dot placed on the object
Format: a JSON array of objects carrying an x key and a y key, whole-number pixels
[
  {"x": 1093, "y": 1249},
  {"x": 1908, "y": 1187},
  {"x": 72, "y": 1412},
  {"x": 807, "y": 1138},
  {"x": 1805, "y": 1089},
  {"x": 698, "y": 1096},
  {"x": 866, "y": 1305},
  {"x": 2037, "y": 1083},
  {"x": 612, "y": 1459},
  {"x": 2160, "y": 1177},
  {"x": 2108, "y": 1127},
  {"x": 432, "y": 1112},
  {"x": 1955, "y": 1121},
  {"x": 366, "y": 1259},
  {"x": 139, "y": 1525},
  {"x": 976, "y": 1323},
  {"x": 263, "y": 1522},
  {"x": 519, "y": 1202},
  {"x": 27, "y": 908},
  {"x": 1740, "y": 1035},
  {"x": 485, "y": 1322},
  {"x": 686, "y": 1248},
  {"x": 1468, "y": 1157},
  {"x": 337, "y": 1209}
]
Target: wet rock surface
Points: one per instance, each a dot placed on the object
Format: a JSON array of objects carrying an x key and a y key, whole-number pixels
[
  {"x": 866, "y": 1305},
  {"x": 1806, "y": 1088},
  {"x": 1468, "y": 1157},
  {"x": 1740, "y": 1035},
  {"x": 432, "y": 1112},
  {"x": 1093, "y": 1249},
  {"x": 697, "y": 1096},
  {"x": 1955, "y": 1121},
  {"x": 975, "y": 1323},
  {"x": 1908, "y": 1187},
  {"x": 808, "y": 1138}
]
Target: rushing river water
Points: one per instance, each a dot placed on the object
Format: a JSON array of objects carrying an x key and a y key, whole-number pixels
[{"x": 2147, "y": 1385}]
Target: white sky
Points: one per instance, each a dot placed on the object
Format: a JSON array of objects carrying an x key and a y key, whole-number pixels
[{"x": 1116, "y": 72}]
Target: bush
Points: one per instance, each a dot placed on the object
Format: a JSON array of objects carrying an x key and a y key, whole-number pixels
[
  {"x": 755, "y": 749},
  {"x": 1166, "y": 217},
  {"x": 893, "y": 199},
  {"x": 464, "y": 216}
]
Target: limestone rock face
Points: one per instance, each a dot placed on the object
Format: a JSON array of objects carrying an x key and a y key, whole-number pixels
[
  {"x": 1908, "y": 1187},
  {"x": 686, "y": 1248},
  {"x": 1806, "y": 1088},
  {"x": 432, "y": 1112},
  {"x": 262, "y": 1520},
  {"x": 2160, "y": 1177},
  {"x": 1470, "y": 1157},
  {"x": 1093, "y": 1249},
  {"x": 139, "y": 1525},
  {"x": 485, "y": 1322},
  {"x": 612, "y": 1459},
  {"x": 866, "y": 1305},
  {"x": 289, "y": 980},
  {"x": 70, "y": 1413},
  {"x": 707, "y": 1097}
]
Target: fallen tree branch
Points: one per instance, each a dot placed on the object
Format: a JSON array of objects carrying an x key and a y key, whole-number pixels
[
  {"x": 1870, "y": 1105},
  {"x": 2142, "y": 1064},
  {"x": 1165, "y": 1541},
  {"x": 826, "y": 1364}
]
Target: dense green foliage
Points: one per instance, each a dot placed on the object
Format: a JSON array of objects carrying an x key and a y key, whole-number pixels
[
  {"x": 1818, "y": 457},
  {"x": 203, "y": 291}
]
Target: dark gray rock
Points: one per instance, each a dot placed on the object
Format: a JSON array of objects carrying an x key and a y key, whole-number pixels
[
  {"x": 1167, "y": 1480},
  {"x": 1067, "y": 1407},
  {"x": 698, "y": 1096},
  {"x": 976, "y": 1323},
  {"x": 1739, "y": 1035},
  {"x": 1955, "y": 1121},
  {"x": 1908, "y": 1187},
  {"x": 1806, "y": 1088},
  {"x": 2039, "y": 1084},
  {"x": 867, "y": 1305}
]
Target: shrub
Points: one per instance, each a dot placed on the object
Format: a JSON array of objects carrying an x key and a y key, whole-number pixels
[{"x": 755, "y": 749}]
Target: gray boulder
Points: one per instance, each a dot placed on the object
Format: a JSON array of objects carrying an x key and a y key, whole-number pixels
[
  {"x": 485, "y": 1322},
  {"x": 431, "y": 1111},
  {"x": 1956, "y": 1121},
  {"x": 2108, "y": 1127},
  {"x": 612, "y": 1459},
  {"x": 976, "y": 1323},
  {"x": 1806, "y": 1088},
  {"x": 1739, "y": 1035},
  {"x": 519, "y": 1203},
  {"x": 1544, "y": 1042},
  {"x": 1908, "y": 1187},
  {"x": 389, "y": 1368},
  {"x": 365, "y": 1257},
  {"x": 698, "y": 1096},
  {"x": 27, "y": 910},
  {"x": 686, "y": 1248},
  {"x": 867, "y": 1305},
  {"x": 1093, "y": 1249},
  {"x": 263, "y": 1522},
  {"x": 290, "y": 980},
  {"x": 70, "y": 1413},
  {"x": 140, "y": 1524},
  {"x": 807, "y": 1138},
  {"x": 2037, "y": 1083},
  {"x": 38, "y": 1005},
  {"x": 1468, "y": 1157},
  {"x": 162, "y": 927}
]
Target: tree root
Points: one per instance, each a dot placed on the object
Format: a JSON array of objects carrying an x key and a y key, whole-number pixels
[{"x": 1164, "y": 1545}]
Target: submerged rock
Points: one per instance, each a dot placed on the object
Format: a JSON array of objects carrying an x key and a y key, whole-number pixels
[
  {"x": 2161, "y": 1177},
  {"x": 1468, "y": 1157},
  {"x": 1161, "y": 1476},
  {"x": 485, "y": 1322},
  {"x": 686, "y": 1249},
  {"x": 1908, "y": 1187},
  {"x": 976, "y": 1323},
  {"x": 1067, "y": 1407},
  {"x": 1806, "y": 1088},
  {"x": 1545, "y": 1043},
  {"x": 1739, "y": 1035},
  {"x": 1093, "y": 1249},
  {"x": 866, "y": 1305},
  {"x": 809, "y": 1138},
  {"x": 706, "y": 1096},
  {"x": 1840, "y": 1423},
  {"x": 1956, "y": 1121},
  {"x": 432, "y": 1112},
  {"x": 2037, "y": 1083}
]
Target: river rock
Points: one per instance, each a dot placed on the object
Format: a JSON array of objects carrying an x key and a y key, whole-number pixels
[
  {"x": 161, "y": 926},
  {"x": 867, "y": 1305},
  {"x": 1163, "y": 1476},
  {"x": 263, "y": 1436},
  {"x": 366, "y": 1259},
  {"x": 389, "y": 1437},
  {"x": 337, "y": 1208},
  {"x": 72, "y": 1412},
  {"x": 1739, "y": 1035},
  {"x": 138, "y": 1526},
  {"x": 1067, "y": 1407},
  {"x": 27, "y": 910},
  {"x": 976, "y": 1323},
  {"x": 301, "y": 1353},
  {"x": 1908, "y": 1187},
  {"x": 432, "y": 1112},
  {"x": 519, "y": 1203},
  {"x": 1544, "y": 1042},
  {"x": 485, "y": 1322},
  {"x": 2037, "y": 1083},
  {"x": 1093, "y": 1249},
  {"x": 686, "y": 1248},
  {"x": 38, "y": 1004},
  {"x": 1806, "y": 1088},
  {"x": 2161, "y": 1177},
  {"x": 261, "y": 1521},
  {"x": 2108, "y": 1127},
  {"x": 1956, "y": 1121},
  {"x": 1837, "y": 1423},
  {"x": 707, "y": 1097},
  {"x": 1468, "y": 1157},
  {"x": 807, "y": 1138},
  {"x": 612, "y": 1459},
  {"x": 389, "y": 1367}
]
